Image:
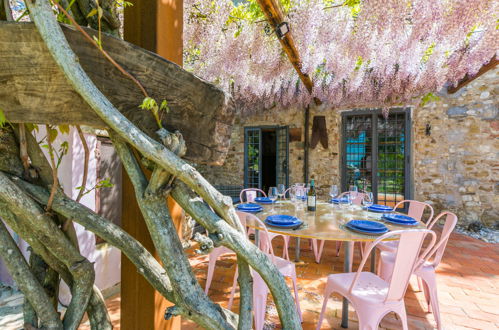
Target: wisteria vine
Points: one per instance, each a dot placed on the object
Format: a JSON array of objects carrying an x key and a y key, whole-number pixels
[{"x": 358, "y": 52}]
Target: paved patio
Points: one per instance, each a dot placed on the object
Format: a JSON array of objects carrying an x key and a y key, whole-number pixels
[{"x": 468, "y": 280}]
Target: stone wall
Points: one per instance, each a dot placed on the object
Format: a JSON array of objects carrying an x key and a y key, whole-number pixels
[{"x": 455, "y": 167}]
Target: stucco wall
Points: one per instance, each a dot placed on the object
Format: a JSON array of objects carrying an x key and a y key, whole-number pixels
[
  {"x": 454, "y": 168},
  {"x": 106, "y": 259}
]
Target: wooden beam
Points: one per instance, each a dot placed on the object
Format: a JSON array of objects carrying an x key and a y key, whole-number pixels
[
  {"x": 274, "y": 15},
  {"x": 33, "y": 90},
  {"x": 468, "y": 79}
]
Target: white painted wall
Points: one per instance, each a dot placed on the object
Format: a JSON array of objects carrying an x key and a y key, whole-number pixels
[{"x": 106, "y": 259}]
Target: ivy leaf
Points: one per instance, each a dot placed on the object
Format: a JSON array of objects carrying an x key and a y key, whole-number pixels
[
  {"x": 64, "y": 129},
  {"x": 92, "y": 13},
  {"x": 3, "y": 120}
]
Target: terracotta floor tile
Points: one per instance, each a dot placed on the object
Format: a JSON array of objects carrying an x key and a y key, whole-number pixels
[{"x": 468, "y": 280}]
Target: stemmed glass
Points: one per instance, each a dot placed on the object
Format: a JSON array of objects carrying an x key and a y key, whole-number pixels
[
  {"x": 272, "y": 196},
  {"x": 368, "y": 199},
  {"x": 281, "y": 190},
  {"x": 333, "y": 191}
]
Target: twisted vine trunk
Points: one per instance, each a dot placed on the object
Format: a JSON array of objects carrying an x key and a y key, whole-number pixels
[{"x": 22, "y": 206}]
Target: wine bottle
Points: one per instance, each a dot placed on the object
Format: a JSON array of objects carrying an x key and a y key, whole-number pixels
[{"x": 311, "y": 197}]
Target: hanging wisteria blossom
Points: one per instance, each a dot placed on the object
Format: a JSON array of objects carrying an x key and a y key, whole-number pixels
[{"x": 357, "y": 52}]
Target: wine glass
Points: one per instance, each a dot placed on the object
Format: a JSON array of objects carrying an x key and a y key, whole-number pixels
[
  {"x": 367, "y": 200},
  {"x": 333, "y": 191},
  {"x": 272, "y": 195},
  {"x": 281, "y": 190}
]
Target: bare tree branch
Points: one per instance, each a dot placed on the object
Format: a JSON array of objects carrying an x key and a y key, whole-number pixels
[
  {"x": 190, "y": 298},
  {"x": 55, "y": 179},
  {"x": 46, "y": 231},
  {"x": 97, "y": 312},
  {"x": 27, "y": 282},
  {"x": 85, "y": 164},
  {"x": 5, "y": 12}
]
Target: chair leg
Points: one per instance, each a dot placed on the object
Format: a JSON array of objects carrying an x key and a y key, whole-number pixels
[
  {"x": 327, "y": 293},
  {"x": 297, "y": 298},
  {"x": 260, "y": 292},
  {"x": 420, "y": 283},
  {"x": 338, "y": 247},
  {"x": 285, "y": 253},
  {"x": 403, "y": 317},
  {"x": 211, "y": 269},
  {"x": 431, "y": 286},
  {"x": 233, "y": 290},
  {"x": 313, "y": 244},
  {"x": 368, "y": 319}
]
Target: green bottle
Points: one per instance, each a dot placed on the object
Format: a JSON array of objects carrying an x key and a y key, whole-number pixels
[{"x": 311, "y": 197}]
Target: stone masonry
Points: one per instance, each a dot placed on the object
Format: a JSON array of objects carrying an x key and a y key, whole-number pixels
[{"x": 455, "y": 167}]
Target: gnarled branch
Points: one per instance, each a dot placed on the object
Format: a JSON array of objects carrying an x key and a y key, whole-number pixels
[{"x": 26, "y": 281}]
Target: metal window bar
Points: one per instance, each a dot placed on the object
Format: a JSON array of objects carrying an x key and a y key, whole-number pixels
[{"x": 383, "y": 144}]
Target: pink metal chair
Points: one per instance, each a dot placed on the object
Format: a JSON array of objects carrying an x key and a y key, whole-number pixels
[
  {"x": 371, "y": 296},
  {"x": 218, "y": 251},
  {"x": 213, "y": 257},
  {"x": 250, "y": 194},
  {"x": 416, "y": 210},
  {"x": 425, "y": 269},
  {"x": 260, "y": 289},
  {"x": 318, "y": 253}
]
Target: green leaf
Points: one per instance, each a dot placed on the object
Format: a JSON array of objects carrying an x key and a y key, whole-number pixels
[
  {"x": 31, "y": 127},
  {"x": 52, "y": 134},
  {"x": 164, "y": 106},
  {"x": 430, "y": 97},
  {"x": 3, "y": 120},
  {"x": 64, "y": 129},
  {"x": 92, "y": 12}
]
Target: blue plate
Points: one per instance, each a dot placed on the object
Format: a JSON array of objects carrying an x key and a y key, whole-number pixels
[
  {"x": 264, "y": 200},
  {"x": 339, "y": 200},
  {"x": 379, "y": 208},
  {"x": 415, "y": 223},
  {"x": 249, "y": 207},
  {"x": 398, "y": 217},
  {"x": 282, "y": 219},
  {"x": 368, "y": 232},
  {"x": 293, "y": 225},
  {"x": 367, "y": 225}
]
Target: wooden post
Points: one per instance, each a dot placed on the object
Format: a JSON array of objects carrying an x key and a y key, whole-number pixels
[{"x": 155, "y": 25}]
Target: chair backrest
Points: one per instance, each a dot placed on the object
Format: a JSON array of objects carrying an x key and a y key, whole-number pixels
[
  {"x": 250, "y": 194},
  {"x": 265, "y": 244},
  {"x": 416, "y": 210},
  {"x": 438, "y": 250},
  {"x": 408, "y": 251},
  {"x": 357, "y": 200}
]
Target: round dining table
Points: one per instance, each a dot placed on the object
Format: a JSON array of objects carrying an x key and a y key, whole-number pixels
[{"x": 326, "y": 223}]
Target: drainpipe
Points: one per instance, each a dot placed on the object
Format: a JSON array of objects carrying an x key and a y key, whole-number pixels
[{"x": 306, "y": 145}]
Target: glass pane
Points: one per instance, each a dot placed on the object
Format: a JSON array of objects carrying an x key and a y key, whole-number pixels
[
  {"x": 282, "y": 156},
  {"x": 252, "y": 146},
  {"x": 358, "y": 151},
  {"x": 391, "y": 156}
]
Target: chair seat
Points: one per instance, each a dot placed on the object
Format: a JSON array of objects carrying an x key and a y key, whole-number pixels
[
  {"x": 369, "y": 288},
  {"x": 286, "y": 267}
]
